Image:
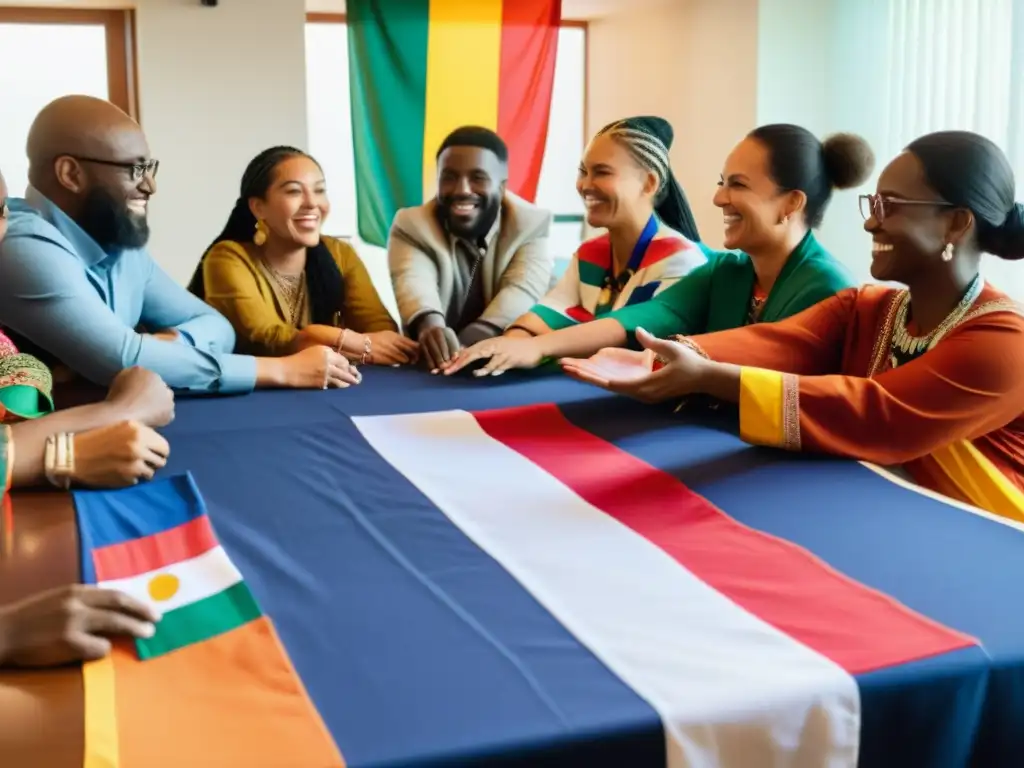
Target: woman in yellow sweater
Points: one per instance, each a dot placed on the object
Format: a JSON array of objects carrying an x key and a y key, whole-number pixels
[{"x": 285, "y": 286}]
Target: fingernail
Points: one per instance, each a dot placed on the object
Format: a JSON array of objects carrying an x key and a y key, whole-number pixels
[
  {"x": 436, "y": 370},
  {"x": 148, "y": 630}
]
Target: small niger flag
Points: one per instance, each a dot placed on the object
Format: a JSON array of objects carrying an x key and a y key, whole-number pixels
[
  {"x": 418, "y": 69},
  {"x": 186, "y": 575},
  {"x": 214, "y": 685}
]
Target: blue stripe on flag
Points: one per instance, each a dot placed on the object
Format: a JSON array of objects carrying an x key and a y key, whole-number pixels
[
  {"x": 111, "y": 517},
  {"x": 459, "y": 663}
]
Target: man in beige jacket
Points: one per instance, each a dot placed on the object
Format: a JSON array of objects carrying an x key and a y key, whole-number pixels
[{"x": 467, "y": 263}]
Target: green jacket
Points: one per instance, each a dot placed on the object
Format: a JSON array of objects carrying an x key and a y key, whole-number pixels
[{"x": 716, "y": 296}]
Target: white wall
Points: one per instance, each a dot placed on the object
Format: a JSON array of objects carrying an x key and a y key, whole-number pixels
[
  {"x": 217, "y": 85},
  {"x": 821, "y": 65},
  {"x": 693, "y": 62}
]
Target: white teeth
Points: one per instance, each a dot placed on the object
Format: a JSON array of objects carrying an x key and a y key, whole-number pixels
[
  {"x": 880, "y": 247},
  {"x": 732, "y": 219},
  {"x": 592, "y": 202}
]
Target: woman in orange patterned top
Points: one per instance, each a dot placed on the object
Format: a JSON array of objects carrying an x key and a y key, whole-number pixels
[{"x": 930, "y": 378}]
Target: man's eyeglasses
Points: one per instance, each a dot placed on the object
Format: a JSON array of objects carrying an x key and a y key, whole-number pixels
[
  {"x": 4, "y": 210},
  {"x": 881, "y": 206},
  {"x": 136, "y": 170}
]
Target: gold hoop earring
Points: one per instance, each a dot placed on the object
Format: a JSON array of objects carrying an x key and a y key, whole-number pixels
[
  {"x": 947, "y": 252},
  {"x": 260, "y": 236}
]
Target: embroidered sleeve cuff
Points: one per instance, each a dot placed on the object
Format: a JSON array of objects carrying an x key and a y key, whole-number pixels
[{"x": 770, "y": 408}]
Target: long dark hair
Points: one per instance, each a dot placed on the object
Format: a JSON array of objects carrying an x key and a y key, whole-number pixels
[{"x": 325, "y": 285}]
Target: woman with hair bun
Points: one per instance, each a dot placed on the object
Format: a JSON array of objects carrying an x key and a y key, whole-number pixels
[
  {"x": 929, "y": 378},
  {"x": 773, "y": 191}
]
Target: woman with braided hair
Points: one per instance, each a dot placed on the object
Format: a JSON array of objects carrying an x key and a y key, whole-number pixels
[{"x": 285, "y": 286}]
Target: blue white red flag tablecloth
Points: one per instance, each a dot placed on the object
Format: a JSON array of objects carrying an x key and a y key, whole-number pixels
[{"x": 529, "y": 572}]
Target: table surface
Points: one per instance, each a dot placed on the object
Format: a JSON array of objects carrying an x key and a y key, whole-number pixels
[{"x": 287, "y": 478}]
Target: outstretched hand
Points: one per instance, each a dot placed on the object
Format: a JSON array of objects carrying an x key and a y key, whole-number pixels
[{"x": 634, "y": 374}]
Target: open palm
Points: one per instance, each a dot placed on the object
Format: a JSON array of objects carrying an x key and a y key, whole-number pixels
[{"x": 612, "y": 364}]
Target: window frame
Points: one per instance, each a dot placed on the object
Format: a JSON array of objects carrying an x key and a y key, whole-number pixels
[{"x": 120, "y": 32}]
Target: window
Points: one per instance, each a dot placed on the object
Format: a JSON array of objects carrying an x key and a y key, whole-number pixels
[
  {"x": 98, "y": 42},
  {"x": 330, "y": 137},
  {"x": 959, "y": 65}
]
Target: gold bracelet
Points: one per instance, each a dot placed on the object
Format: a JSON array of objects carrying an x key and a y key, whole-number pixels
[
  {"x": 59, "y": 459},
  {"x": 367, "y": 351},
  {"x": 689, "y": 343},
  {"x": 341, "y": 340}
]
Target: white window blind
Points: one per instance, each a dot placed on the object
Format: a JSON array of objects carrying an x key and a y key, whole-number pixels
[{"x": 956, "y": 64}]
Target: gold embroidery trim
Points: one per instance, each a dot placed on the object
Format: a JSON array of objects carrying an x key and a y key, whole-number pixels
[
  {"x": 884, "y": 338},
  {"x": 791, "y": 412}
]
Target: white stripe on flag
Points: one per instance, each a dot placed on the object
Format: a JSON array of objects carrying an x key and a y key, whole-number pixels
[
  {"x": 198, "y": 578},
  {"x": 730, "y": 689}
]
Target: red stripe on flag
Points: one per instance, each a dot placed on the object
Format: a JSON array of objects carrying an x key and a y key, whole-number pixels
[
  {"x": 529, "y": 42},
  {"x": 130, "y": 558},
  {"x": 855, "y": 626}
]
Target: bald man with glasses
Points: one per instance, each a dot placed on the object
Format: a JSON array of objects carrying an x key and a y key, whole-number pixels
[{"x": 79, "y": 288}]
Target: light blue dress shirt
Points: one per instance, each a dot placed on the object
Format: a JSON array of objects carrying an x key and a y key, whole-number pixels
[{"x": 59, "y": 289}]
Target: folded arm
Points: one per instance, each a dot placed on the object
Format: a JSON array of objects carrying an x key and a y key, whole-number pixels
[
  {"x": 167, "y": 305},
  {"x": 46, "y": 297}
]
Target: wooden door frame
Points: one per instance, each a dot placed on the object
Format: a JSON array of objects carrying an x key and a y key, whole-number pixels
[{"x": 122, "y": 50}]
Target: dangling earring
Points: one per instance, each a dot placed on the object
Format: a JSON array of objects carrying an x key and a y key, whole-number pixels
[
  {"x": 260, "y": 236},
  {"x": 947, "y": 252},
  {"x": 784, "y": 219}
]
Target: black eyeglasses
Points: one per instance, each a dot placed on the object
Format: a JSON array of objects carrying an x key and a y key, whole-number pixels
[
  {"x": 881, "y": 206},
  {"x": 4, "y": 210},
  {"x": 136, "y": 170}
]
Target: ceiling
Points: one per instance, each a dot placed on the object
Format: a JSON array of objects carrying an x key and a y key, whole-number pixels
[{"x": 574, "y": 10}]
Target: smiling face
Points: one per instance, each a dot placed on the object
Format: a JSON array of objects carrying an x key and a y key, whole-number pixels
[
  {"x": 470, "y": 186},
  {"x": 114, "y": 185},
  {"x": 295, "y": 205},
  {"x": 614, "y": 186},
  {"x": 910, "y": 236},
  {"x": 757, "y": 214}
]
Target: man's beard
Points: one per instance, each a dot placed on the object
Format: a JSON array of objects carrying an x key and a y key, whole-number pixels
[
  {"x": 489, "y": 209},
  {"x": 108, "y": 221}
]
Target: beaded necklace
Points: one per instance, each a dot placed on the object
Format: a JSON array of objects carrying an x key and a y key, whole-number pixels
[{"x": 904, "y": 347}]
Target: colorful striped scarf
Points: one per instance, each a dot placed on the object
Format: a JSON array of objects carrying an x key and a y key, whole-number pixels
[{"x": 587, "y": 289}]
